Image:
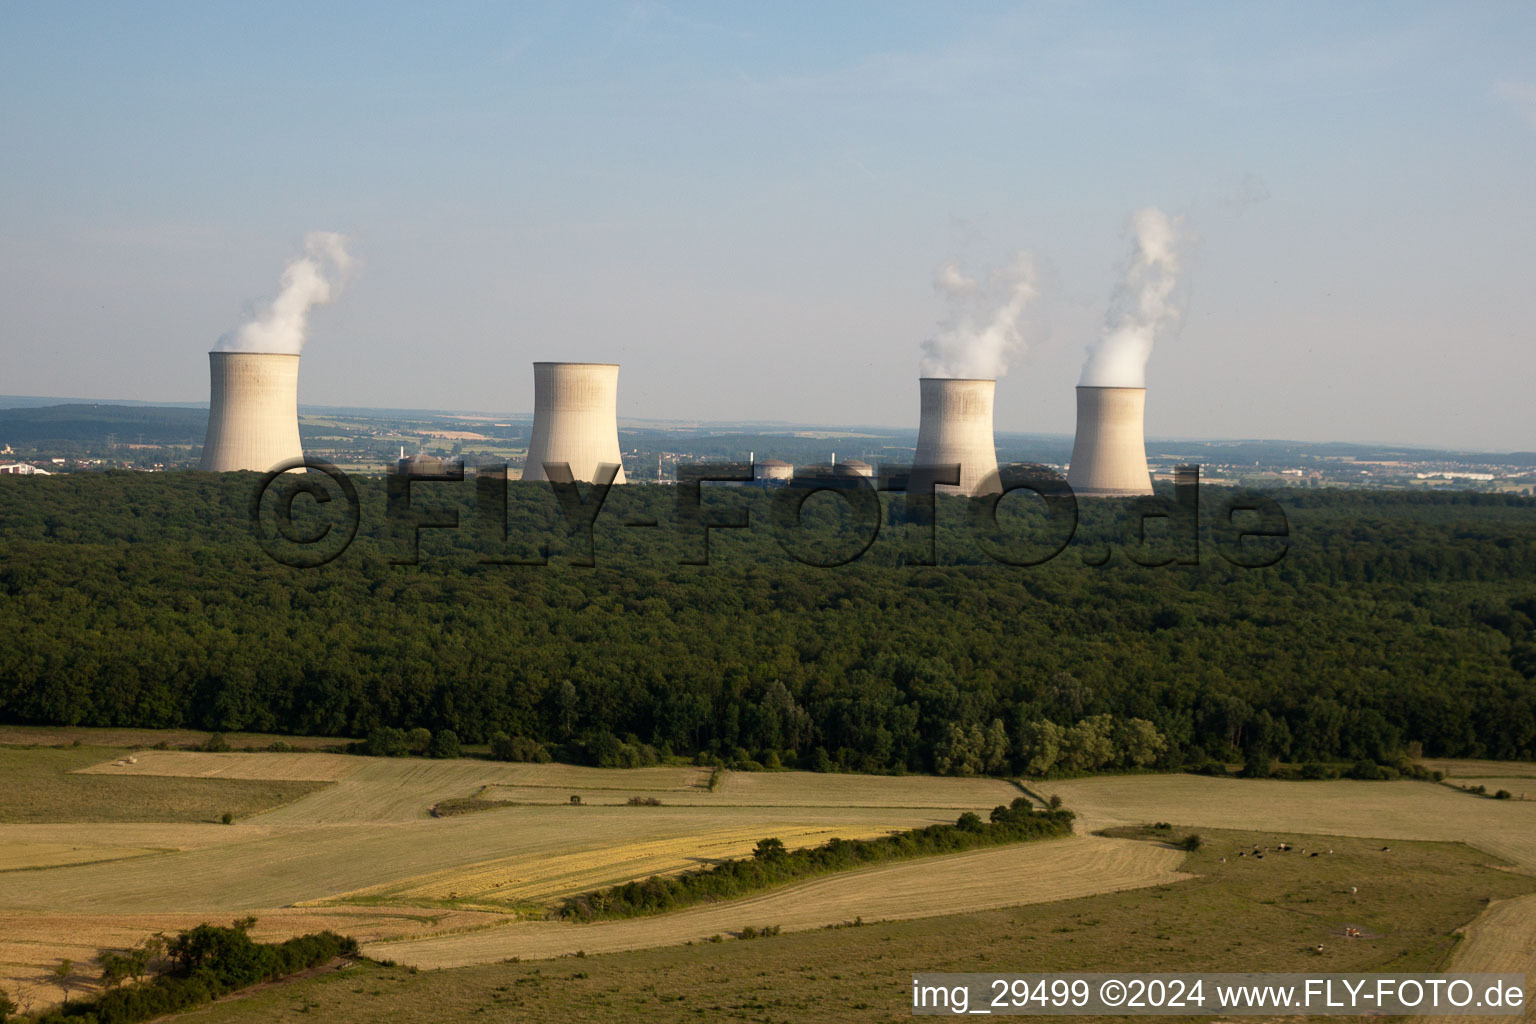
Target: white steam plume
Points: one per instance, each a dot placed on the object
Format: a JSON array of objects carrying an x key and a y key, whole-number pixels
[
  {"x": 310, "y": 280},
  {"x": 982, "y": 331},
  {"x": 1144, "y": 307}
]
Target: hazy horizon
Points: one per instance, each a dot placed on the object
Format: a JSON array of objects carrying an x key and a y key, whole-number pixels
[{"x": 765, "y": 213}]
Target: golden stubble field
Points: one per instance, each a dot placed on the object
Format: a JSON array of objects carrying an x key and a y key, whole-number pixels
[
  {"x": 365, "y": 845},
  {"x": 363, "y": 853}
]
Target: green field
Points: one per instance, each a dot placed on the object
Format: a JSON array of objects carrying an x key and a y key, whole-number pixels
[{"x": 40, "y": 786}]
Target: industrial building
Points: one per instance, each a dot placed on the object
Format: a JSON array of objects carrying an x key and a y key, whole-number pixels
[
  {"x": 1109, "y": 452},
  {"x": 955, "y": 428},
  {"x": 253, "y": 411},
  {"x": 575, "y": 420},
  {"x": 772, "y": 471}
]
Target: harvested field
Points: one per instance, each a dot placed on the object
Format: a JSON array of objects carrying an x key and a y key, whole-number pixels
[
  {"x": 1501, "y": 940},
  {"x": 762, "y": 789},
  {"x": 193, "y": 764},
  {"x": 43, "y": 784},
  {"x": 1264, "y": 916},
  {"x": 31, "y": 945},
  {"x": 1462, "y": 769},
  {"x": 1026, "y": 873},
  {"x": 26, "y": 856},
  {"x": 1387, "y": 810},
  {"x": 540, "y": 879}
]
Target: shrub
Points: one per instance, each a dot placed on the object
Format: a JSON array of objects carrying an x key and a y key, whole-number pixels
[
  {"x": 518, "y": 748},
  {"x": 1503, "y": 794},
  {"x": 418, "y": 740},
  {"x": 279, "y": 747},
  {"x": 1192, "y": 842},
  {"x": 386, "y": 741},
  {"x": 228, "y": 818},
  {"x": 215, "y": 744},
  {"x": 444, "y": 744},
  {"x": 644, "y": 801}
]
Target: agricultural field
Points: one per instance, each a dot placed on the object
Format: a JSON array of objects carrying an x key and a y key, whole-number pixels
[
  {"x": 44, "y": 784},
  {"x": 316, "y": 835},
  {"x": 1239, "y": 915},
  {"x": 350, "y": 843}
]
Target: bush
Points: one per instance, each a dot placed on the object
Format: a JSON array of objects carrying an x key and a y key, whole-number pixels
[
  {"x": 386, "y": 741},
  {"x": 518, "y": 748},
  {"x": 205, "y": 963},
  {"x": 228, "y": 818},
  {"x": 1192, "y": 842},
  {"x": 418, "y": 740},
  {"x": 215, "y": 744},
  {"x": 279, "y": 747},
  {"x": 444, "y": 744},
  {"x": 644, "y": 801},
  {"x": 1503, "y": 794}
]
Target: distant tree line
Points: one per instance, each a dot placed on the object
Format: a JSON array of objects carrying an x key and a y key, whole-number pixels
[{"x": 1391, "y": 621}]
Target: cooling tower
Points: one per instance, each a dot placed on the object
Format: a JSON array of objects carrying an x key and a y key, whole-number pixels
[
  {"x": 575, "y": 419},
  {"x": 253, "y": 411},
  {"x": 1109, "y": 455},
  {"x": 956, "y": 428}
]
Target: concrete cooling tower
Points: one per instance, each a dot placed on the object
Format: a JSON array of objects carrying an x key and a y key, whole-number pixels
[
  {"x": 956, "y": 428},
  {"x": 253, "y": 411},
  {"x": 575, "y": 419},
  {"x": 1109, "y": 455}
]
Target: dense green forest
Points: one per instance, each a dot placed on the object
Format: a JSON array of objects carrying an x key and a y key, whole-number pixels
[{"x": 1385, "y": 620}]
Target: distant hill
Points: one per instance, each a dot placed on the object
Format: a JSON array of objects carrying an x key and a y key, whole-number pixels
[{"x": 88, "y": 422}]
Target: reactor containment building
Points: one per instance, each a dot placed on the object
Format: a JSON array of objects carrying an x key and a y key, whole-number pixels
[
  {"x": 575, "y": 421},
  {"x": 955, "y": 428},
  {"x": 1109, "y": 453},
  {"x": 253, "y": 411}
]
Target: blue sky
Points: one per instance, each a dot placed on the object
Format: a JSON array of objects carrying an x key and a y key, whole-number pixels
[{"x": 745, "y": 205}]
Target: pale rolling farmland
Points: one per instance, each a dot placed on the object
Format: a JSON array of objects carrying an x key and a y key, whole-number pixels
[
  {"x": 1501, "y": 940},
  {"x": 195, "y": 764},
  {"x": 366, "y": 842},
  {"x": 1386, "y": 810},
  {"x": 1466, "y": 769},
  {"x": 32, "y": 944},
  {"x": 1040, "y": 872}
]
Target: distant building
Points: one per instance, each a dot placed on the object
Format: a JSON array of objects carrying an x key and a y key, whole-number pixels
[
  {"x": 429, "y": 466},
  {"x": 773, "y": 471},
  {"x": 23, "y": 469}
]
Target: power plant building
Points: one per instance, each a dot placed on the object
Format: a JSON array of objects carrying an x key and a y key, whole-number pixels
[
  {"x": 253, "y": 411},
  {"x": 1109, "y": 453},
  {"x": 955, "y": 428},
  {"x": 772, "y": 471},
  {"x": 575, "y": 420}
]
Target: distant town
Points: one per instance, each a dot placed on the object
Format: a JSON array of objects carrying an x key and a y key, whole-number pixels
[{"x": 45, "y": 436}]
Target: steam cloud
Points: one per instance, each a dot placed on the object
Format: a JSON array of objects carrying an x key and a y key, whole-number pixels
[
  {"x": 1143, "y": 307},
  {"x": 310, "y": 280},
  {"x": 982, "y": 331}
]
